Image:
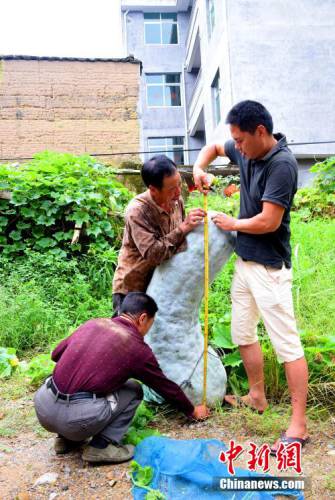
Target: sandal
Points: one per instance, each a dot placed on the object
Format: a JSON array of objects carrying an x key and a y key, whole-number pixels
[{"x": 289, "y": 439}]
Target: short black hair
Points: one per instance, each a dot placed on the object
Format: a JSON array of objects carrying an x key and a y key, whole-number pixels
[
  {"x": 155, "y": 169},
  {"x": 137, "y": 303},
  {"x": 247, "y": 115}
]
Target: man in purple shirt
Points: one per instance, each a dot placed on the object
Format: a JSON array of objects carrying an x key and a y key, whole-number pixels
[{"x": 90, "y": 394}]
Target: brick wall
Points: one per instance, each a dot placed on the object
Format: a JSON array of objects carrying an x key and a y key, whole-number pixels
[{"x": 69, "y": 106}]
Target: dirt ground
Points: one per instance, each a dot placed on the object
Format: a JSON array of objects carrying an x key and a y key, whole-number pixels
[{"x": 26, "y": 453}]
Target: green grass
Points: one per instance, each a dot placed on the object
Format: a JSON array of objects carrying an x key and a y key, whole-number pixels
[
  {"x": 43, "y": 299},
  {"x": 313, "y": 252}
]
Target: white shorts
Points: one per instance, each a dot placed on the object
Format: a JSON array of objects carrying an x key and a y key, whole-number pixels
[{"x": 262, "y": 291}]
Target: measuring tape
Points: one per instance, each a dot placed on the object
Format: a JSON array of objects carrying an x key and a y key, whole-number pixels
[{"x": 206, "y": 289}]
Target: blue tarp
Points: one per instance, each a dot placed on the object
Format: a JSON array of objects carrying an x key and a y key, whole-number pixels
[{"x": 184, "y": 469}]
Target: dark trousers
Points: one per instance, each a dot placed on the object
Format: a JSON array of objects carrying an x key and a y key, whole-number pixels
[
  {"x": 118, "y": 298},
  {"x": 83, "y": 418}
]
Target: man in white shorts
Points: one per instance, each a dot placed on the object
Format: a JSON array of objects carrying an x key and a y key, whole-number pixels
[{"x": 263, "y": 275}]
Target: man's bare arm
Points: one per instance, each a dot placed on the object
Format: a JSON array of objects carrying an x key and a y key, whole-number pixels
[{"x": 267, "y": 221}]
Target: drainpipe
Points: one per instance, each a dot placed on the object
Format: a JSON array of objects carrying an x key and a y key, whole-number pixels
[
  {"x": 186, "y": 143},
  {"x": 125, "y": 34}
]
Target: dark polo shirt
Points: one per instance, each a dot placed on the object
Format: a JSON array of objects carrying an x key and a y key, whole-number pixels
[{"x": 272, "y": 178}]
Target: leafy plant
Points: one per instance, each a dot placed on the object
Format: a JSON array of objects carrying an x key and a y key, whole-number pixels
[
  {"x": 61, "y": 203},
  {"x": 38, "y": 369},
  {"x": 8, "y": 361},
  {"x": 325, "y": 175},
  {"x": 139, "y": 426},
  {"x": 142, "y": 477},
  {"x": 312, "y": 202},
  {"x": 221, "y": 339}
]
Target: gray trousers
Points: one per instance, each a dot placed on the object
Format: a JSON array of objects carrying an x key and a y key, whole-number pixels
[{"x": 82, "y": 418}]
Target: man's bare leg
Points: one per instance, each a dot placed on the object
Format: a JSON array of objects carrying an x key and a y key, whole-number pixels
[
  {"x": 297, "y": 379},
  {"x": 252, "y": 357}
]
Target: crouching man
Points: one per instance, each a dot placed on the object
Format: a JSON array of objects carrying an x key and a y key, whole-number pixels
[{"x": 90, "y": 393}]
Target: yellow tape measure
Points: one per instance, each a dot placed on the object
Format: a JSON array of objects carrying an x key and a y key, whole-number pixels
[{"x": 206, "y": 289}]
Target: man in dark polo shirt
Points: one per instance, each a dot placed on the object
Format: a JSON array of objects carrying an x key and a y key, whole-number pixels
[
  {"x": 155, "y": 228},
  {"x": 263, "y": 275},
  {"x": 90, "y": 392}
]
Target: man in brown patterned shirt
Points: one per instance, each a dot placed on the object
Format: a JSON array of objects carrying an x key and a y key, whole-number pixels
[{"x": 155, "y": 228}]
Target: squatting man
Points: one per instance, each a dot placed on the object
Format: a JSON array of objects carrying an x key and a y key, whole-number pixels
[{"x": 92, "y": 394}]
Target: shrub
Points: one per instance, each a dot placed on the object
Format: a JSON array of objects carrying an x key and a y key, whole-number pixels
[
  {"x": 51, "y": 196},
  {"x": 325, "y": 175},
  {"x": 311, "y": 203}
]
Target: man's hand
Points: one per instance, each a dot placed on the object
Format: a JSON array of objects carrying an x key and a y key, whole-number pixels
[
  {"x": 225, "y": 222},
  {"x": 200, "y": 412},
  {"x": 192, "y": 220},
  {"x": 202, "y": 180}
]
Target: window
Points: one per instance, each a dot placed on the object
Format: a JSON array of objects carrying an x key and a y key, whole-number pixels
[
  {"x": 211, "y": 16},
  {"x": 216, "y": 92},
  {"x": 160, "y": 29},
  {"x": 163, "y": 89},
  {"x": 171, "y": 146}
]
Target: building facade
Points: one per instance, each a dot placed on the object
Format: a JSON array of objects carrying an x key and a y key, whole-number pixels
[
  {"x": 155, "y": 33},
  {"x": 67, "y": 104},
  {"x": 223, "y": 51}
]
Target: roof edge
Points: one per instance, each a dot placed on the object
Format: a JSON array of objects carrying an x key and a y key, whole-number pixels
[{"x": 128, "y": 59}]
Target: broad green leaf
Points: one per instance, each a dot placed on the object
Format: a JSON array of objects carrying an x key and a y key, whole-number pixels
[
  {"x": 45, "y": 243},
  {"x": 222, "y": 336},
  {"x": 233, "y": 359}
]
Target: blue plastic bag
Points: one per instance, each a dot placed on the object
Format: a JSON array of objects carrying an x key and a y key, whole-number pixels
[{"x": 184, "y": 469}]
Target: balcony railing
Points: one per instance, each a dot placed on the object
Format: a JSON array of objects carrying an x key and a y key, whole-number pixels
[{"x": 192, "y": 32}]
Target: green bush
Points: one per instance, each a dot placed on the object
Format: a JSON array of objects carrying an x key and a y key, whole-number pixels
[
  {"x": 51, "y": 196},
  {"x": 312, "y": 202},
  {"x": 38, "y": 368},
  {"x": 325, "y": 175}
]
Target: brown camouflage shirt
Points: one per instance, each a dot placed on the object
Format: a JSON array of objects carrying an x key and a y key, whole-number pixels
[{"x": 151, "y": 235}]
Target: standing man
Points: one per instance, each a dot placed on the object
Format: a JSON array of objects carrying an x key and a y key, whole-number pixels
[
  {"x": 263, "y": 275},
  {"x": 155, "y": 228}
]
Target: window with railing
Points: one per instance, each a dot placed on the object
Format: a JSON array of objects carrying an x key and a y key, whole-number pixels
[
  {"x": 171, "y": 146},
  {"x": 160, "y": 29},
  {"x": 210, "y": 16},
  {"x": 216, "y": 97},
  {"x": 163, "y": 89}
]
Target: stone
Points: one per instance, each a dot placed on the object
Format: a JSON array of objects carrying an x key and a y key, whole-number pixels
[
  {"x": 48, "y": 478},
  {"x": 176, "y": 339}
]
